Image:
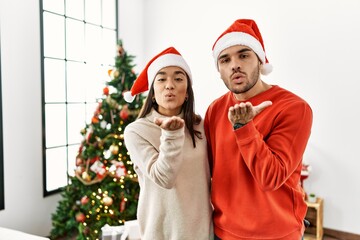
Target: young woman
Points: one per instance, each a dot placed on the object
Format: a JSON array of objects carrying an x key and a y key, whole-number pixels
[{"x": 168, "y": 147}]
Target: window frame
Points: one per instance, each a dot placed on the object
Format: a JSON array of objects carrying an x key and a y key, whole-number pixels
[
  {"x": 47, "y": 192},
  {"x": 2, "y": 184}
]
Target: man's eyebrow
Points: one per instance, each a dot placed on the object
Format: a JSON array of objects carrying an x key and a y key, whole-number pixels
[
  {"x": 244, "y": 50},
  {"x": 240, "y": 51}
]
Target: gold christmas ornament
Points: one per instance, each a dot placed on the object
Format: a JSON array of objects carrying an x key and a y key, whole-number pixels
[
  {"x": 85, "y": 176},
  {"x": 114, "y": 149},
  {"x": 116, "y": 74},
  {"x": 107, "y": 201}
]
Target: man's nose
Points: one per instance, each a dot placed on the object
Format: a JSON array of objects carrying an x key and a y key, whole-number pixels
[{"x": 235, "y": 66}]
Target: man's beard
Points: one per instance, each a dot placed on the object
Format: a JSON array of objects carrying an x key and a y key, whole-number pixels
[{"x": 254, "y": 77}]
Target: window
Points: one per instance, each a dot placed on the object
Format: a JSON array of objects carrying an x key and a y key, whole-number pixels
[
  {"x": 2, "y": 203},
  {"x": 78, "y": 46}
]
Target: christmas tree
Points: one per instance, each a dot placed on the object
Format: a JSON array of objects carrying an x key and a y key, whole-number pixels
[{"x": 104, "y": 188}]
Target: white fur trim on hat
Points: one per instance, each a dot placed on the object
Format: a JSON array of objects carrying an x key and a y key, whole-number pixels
[
  {"x": 266, "y": 68},
  {"x": 167, "y": 60},
  {"x": 238, "y": 38},
  {"x": 128, "y": 97}
]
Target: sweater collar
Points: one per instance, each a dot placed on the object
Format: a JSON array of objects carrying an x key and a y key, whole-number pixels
[{"x": 257, "y": 98}]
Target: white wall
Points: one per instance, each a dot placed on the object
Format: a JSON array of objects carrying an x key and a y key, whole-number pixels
[
  {"x": 25, "y": 207},
  {"x": 314, "y": 48},
  {"x": 131, "y": 29}
]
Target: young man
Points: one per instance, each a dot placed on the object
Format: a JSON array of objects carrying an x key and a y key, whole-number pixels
[{"x": 257, "y": 134}]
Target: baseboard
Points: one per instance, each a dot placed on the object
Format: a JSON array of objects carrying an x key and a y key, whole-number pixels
[{"x": 340, "y": 235}]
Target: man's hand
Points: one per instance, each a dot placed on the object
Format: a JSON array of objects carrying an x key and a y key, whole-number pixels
[
  {"x": 170, "y": 124},
  {"x": 245, "y": 112}
]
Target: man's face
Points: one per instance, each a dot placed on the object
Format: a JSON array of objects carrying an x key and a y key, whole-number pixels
[{"x": 239, "y": 68}]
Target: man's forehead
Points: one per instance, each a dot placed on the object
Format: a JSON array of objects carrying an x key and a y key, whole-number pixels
[{"x": 235, "y": 48}]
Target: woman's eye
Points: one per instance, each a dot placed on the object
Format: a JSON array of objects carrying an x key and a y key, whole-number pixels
[
  {"x": 178, "y": 79},
  {"x": 161, "y": 79}
]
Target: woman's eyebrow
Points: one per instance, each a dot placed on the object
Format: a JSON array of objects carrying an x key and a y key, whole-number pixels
[{"x": 179, "y": 72}]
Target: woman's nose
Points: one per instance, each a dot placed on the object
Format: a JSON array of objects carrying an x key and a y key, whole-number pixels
[{"x": 169, "y": 84}]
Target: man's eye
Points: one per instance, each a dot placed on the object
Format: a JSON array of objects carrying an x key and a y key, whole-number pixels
[
  {"x": 178, "y": 79},
  {"x": 161, "y": 79},
  {"x": 243, "y": 56},
  {"x": 224, "y": 60}
]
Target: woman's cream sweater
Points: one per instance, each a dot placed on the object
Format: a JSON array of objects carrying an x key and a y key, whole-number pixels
[{"x": 174, "y": 178}]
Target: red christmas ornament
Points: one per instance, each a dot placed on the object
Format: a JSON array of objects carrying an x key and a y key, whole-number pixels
[
  {"x": 106, "y": 91},
  {"x": 84, "y": 200},
  {"x": 95, "y": 120},
  {"x": 80, "y": 217},
  {"x": 122, "y": 205},
  {"x": 124, "y": 113}
]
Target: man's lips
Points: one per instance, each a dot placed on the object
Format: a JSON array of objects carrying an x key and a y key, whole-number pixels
[{"x": 237, "y": 76}]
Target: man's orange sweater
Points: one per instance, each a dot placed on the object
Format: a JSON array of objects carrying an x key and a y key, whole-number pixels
[{"x": 256, "y": 169}]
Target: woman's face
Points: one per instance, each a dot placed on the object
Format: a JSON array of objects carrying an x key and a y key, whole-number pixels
[{"x": 170, "y": 85}]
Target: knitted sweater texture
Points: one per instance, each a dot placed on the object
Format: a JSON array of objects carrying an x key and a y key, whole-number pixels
[
  {"x": 174, "y": 178},
  {"x": 256, "y": 169}
]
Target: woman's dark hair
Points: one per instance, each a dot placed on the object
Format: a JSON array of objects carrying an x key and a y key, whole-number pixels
[{"x": 190, "y": 117}]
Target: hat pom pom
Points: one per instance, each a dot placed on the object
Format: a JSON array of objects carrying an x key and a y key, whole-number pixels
[
  {"x": 128, "y": 97},
  {"x": 266, "y": 69}
]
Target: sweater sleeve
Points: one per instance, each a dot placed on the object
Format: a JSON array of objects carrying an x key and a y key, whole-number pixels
[
  {"x": 158, "y": 163},
  {"x": 273, "y": 159}
]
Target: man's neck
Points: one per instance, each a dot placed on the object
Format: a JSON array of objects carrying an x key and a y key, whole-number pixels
[{"x": 258, "y": 88}]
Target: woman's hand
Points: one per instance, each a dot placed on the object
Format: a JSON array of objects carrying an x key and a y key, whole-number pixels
[{"x": 170, "y": 124}]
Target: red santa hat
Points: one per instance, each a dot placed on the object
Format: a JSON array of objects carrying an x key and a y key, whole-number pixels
[
  {"x": 243, "y": 32},
  {"x": 168, "y": 57}
]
